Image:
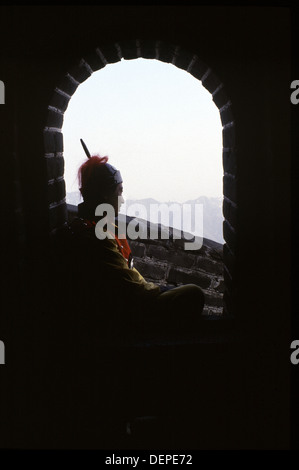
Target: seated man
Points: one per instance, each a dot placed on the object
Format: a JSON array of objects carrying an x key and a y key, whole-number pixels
[{"x": 125, "y": 299}]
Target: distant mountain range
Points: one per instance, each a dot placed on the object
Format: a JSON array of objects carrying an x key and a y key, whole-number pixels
[{"x": 211, "y": 214}]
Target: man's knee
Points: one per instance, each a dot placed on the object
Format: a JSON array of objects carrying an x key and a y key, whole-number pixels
[
  {"x": 189, "y": 306},
  {"x": 189, "y": 299},
  {"x": 195, "y": 292}
]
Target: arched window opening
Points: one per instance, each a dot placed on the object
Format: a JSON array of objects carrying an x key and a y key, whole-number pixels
[
  {"x": 160, "y": 126},
  {"x": 158, "y": 165}
]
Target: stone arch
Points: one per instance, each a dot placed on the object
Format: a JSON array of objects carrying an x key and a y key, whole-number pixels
[{"x": 186, "y": 60}]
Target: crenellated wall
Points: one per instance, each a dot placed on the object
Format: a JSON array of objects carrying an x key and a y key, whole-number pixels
[{"x": 167, "y": 264}]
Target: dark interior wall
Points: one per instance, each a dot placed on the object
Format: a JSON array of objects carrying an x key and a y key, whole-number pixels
[{"x": 248, "y": 48}]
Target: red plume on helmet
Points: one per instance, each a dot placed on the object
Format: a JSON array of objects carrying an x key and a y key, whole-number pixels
[{"x": 96, "y": 176}]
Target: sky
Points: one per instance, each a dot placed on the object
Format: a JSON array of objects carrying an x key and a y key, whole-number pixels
[{"x": 157, "y": 124}]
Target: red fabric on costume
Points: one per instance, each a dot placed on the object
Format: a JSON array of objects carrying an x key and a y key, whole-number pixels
[
  {"x": 123, "y": 247},
  {"x": 122, "y": 243}
]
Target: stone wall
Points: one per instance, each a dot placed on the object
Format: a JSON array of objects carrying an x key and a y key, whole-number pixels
[
  {"x": 241, "y": 391},
  {"x": 166, "y": 263},
  {"x": 155, "y": 49}
]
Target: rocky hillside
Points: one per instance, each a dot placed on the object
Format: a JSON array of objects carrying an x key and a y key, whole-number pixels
[{"x": 211, "y": 207}]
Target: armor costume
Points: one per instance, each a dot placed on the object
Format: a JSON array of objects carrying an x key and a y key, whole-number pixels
[
  {"x": 101, "y": 273},
  {"x": 115, "y": 257}
]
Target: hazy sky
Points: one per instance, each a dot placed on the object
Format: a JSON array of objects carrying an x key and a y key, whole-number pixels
[{"x": 157, "y": 124}]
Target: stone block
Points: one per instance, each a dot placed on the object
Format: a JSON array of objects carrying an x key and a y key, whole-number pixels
[
  {"x": 128, "y": 49},
  {"x": 179, "y": 243},
  {"x": 179, "y": 276},
  {"x": 80, "y": 72},
  {"x": 208, "y": 265},
  {"x": 68, "y": 85},
  {"x": 215, "y": 311},
  {"x": 110, "y": 53},
  {"x": 229, "y": 260},
  {"x": 226, "y": 115},
  {"x": 94, "y": 61},
  {"x": 53, "y": 142},
  {"x": 59, "y": 101},
  {"x": 138, "y": 249},
  {"x": 198, "y": 69},
  {"x": 150, "y": 269},
  {"x": 230, "y": 212},
  {"x": 220, "y": 97},
  {"x": 56, "y": 191},
  {"x": 228, "y": 136},
  {"x": 215, "y": 254},
  {"x": 166, "y": 52},
  {"x": 54, "y": 119},
  {"x": 147, "y": 48},
  {"x": 219, "y": 286},
  {"x": 55, "y": 167},
  {"x": 229, "y": 236},
  {"x": 177, "y": 257},
  {"x": 211, "y": 82},
  {"x": 157, "y": 251},
  {"x": 49, "y": 141},
  {"x": 214, "y": 299},
  {"x": 181, "y": 258},
  {"x": 230, "y": 187},
  {"x": 229, "y": 158},
  {"x": 183, "y": 59},
  {"x": 227, "y": 278},
  {"x": 58, "y": 139}
]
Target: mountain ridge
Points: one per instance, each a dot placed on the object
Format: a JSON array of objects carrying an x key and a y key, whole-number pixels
[{"x": 212, "y": 217}]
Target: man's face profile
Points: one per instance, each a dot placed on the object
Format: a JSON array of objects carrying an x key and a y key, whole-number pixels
[{"x": 116, "y": 199}]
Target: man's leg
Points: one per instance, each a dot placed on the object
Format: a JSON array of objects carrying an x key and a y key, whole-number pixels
[{"x": 180, "y": 308}]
